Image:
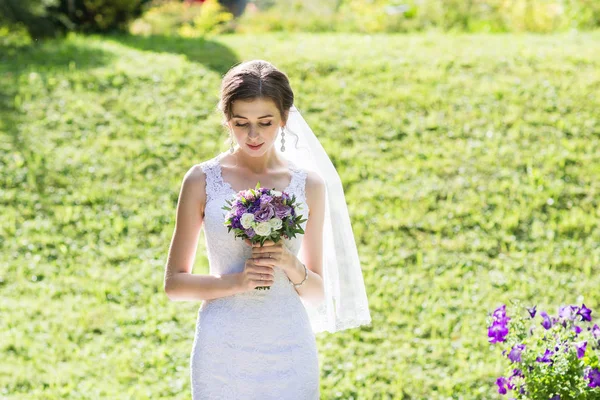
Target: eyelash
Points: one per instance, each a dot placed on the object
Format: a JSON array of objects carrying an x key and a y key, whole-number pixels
[{"x": 269, "y": 124}]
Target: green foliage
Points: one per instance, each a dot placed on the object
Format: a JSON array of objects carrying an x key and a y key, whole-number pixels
[
  {"x": 470, "y": 165},
  {"x": 421, "y": 15},
  {"x": 49, "y": 18},
  {"x": 176, "y": 18},
  {"x": 32, "y": 16}
]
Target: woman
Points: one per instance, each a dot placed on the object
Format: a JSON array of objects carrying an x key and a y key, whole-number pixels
[{"x": 259, "y": 344}]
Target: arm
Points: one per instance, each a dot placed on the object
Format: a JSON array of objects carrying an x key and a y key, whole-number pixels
[
  {"x": 312, "y": 245},
  {"x": 180, "y": 284}
]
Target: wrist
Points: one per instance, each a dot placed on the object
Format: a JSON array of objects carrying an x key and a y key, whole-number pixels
[
  {"x": 299, "y": 275},
  {"x": 236, "y": 281}
]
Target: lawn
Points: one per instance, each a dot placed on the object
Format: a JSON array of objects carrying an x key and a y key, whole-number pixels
[{"x": 470, "y": 163}]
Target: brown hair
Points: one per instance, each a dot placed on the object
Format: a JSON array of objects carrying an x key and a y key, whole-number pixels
[{"x": 255, "y": 79}]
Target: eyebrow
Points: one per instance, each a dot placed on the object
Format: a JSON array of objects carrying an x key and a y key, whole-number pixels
[{"x": 264, "y": 116}]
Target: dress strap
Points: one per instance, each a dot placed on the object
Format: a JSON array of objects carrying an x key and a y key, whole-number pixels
[
  {"x": 214, "y": 180},
  {"x": 298, "y": 182}
]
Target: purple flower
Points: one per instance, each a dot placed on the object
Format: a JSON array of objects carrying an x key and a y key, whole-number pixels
[
  {"x": 499, "y": 329},
  {"x": 585, "y": 313},
  {"x": 515, "y": 353},
  {"x": 281, "y": 210},
  {"x": 577, "y": 329},
  {"x": 532, "y": 311},
  {"x": 567, "y": 312},
  {"x": 501, "y": 382},
  {"x": 546, "y": 357},
  {"x": 264, "y": 213},
  {"x": 236, "y": 223},
  {"x": 517, "y": 372},
  {"x": 546, "y": 323},
  {"x": 250, "y": 232},
  {"x": 593, "y": 376},
  {"x": 596, "y": 331},
  {"x": 500, "y": 312},
  {"x": 497, "y": 332},
  {"x": 555, "y": 397},
  {"x": 580, "y": 349},
  {"x": 265, "y": 199}
]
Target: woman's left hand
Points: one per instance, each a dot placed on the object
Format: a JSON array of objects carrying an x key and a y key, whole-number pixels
[{"x": 272, "y": 254}]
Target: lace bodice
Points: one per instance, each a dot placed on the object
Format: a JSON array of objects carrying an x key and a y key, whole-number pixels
[{"x": 226, "y": 254}]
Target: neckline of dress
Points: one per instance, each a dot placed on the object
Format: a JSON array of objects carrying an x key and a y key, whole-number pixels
[{"x": 290, "y": 167}]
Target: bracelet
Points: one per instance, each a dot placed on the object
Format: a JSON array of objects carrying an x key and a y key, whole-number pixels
[{"x": 301, "y": 283}]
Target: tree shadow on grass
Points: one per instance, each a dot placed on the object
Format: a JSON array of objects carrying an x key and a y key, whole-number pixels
[
  {"x": 211, "y": 54},
  {"x": 46, "y": 58},
  {"x": 52, "y": 56}
]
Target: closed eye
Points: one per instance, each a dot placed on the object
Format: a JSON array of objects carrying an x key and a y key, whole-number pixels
[{"x": 269, "y": 124}]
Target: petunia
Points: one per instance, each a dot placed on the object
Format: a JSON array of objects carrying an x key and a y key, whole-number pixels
[
  {"x": 515, "y": 353},
  {"x": 593, "y": 376},
  {"x": 596, "y": 331},
  {"x": 580, "y": 349},
  {"x": 585, "y": 313},
  {"x": 501, "y": 382},
  {"x": 546, "y": 357},
  {"x": 497, "y": 332},
  {"x": 567, "y": 312},
  {"x": 500, "y": 312},
  {"x": 577, "y": 329},
  {"x": 546, "y": 323}
]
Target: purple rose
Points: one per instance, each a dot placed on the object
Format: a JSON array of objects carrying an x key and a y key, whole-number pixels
[
  {"x": 282, "y": 211},
  {"x": 264, "y": 213},
  {"x": 250, "y": 232},
  {"x": 265, "y": 198}
]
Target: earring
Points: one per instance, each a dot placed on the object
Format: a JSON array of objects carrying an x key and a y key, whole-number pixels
[
  {"x": 231, "y": 138},
  {"x": 282, "y": 139}
]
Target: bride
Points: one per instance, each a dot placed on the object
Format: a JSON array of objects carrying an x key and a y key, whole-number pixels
[{"x": 260, "y": 344}]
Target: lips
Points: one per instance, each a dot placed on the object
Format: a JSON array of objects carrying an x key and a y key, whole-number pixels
[{"x": 255, "y": 147}]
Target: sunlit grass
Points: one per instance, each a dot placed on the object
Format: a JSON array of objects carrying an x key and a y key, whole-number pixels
[{"x": 470, "y": 166}]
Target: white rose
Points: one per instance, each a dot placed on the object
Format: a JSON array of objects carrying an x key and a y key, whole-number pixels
[
  {"x": 263, "y": 229},
  {"x": 276, "y": 223},
  {"x": 246, "y": 220},
  {"x": 276, "y": 193}
]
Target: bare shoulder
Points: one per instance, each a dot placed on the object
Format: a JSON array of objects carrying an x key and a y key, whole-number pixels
[
  {"x": 315, "y": 190},
  {"x": 194, "y": 184}
]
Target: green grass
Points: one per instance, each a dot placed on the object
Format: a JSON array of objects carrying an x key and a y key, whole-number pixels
[{"x": 470, "y": 165}]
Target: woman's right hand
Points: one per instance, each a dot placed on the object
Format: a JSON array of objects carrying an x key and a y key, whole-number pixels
[{"x": 255, "y": 275}]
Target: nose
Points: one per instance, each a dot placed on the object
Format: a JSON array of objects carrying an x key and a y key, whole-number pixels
[{"x": 252, "y": 133}]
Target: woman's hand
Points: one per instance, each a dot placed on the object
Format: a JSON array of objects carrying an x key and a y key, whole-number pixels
[
  {"x": 255, "y": 275},
  {"x": 272, "y": 254}
]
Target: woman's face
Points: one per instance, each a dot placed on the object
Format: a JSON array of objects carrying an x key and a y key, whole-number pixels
[{"x": 255, "y": 122}]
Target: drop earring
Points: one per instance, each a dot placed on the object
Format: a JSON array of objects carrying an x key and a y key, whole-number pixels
[{"x": 282, "y": 139}]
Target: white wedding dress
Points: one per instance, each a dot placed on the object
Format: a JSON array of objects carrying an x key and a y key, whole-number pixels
[{"x": 258, "y": 344}]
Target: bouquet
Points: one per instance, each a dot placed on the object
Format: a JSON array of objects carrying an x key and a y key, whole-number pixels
[
  {"x": 262, "y": 214},
  {"x": 548, "y": 357}
]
